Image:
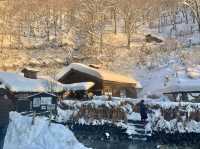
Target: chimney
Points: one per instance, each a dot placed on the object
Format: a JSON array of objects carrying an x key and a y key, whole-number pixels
[{"x": 30, "y": 73}]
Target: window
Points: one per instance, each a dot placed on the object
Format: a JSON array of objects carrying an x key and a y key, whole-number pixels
[
  {"x": 46, "y": 100},
  {"x": 108, "y": 91},
  {"x": 43, "y": 108},
  {"x": 51, "y": 107},
  {"x": 36, "y": 102},
  {"x": 123, "y": 93}
]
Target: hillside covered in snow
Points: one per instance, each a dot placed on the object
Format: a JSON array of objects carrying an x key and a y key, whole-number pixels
[{"x": 110, "y": 43}]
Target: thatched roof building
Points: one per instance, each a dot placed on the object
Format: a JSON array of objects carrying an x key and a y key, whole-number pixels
[{"x": 106, "y": 82}]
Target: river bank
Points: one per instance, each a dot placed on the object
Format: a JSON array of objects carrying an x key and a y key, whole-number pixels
[
  {"x": 98, "y": 140},
  {"x": 118, "y": 119},
  {"x": 112, "y": 133}
]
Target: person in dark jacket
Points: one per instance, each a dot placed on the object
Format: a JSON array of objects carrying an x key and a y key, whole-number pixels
[
  {"x": 5, "y": 108},
  {"x": 143, "y": 111}
]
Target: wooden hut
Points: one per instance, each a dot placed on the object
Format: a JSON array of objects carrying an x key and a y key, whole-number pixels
[
  {"x": 23, "y": 90},
  {"x": 40, "y": 102},
  {"x": 183, "y": 90},
  {"x": 106, "y": 82},
  {"x": 30, "y": 73}
]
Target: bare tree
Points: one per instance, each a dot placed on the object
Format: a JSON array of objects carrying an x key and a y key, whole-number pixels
[
  {"x": 194, "y": 6},
  {"x": 92, "y": 19},
  {"x": 131, "y": 11}
]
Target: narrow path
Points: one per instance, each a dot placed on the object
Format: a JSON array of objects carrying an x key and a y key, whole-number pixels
[{"x": 136, "y": 130}]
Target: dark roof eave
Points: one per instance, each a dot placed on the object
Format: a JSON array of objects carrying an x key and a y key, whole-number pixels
[
  {"x": 177, "y": 92},
  {"x": 120, "y": 82},
  {"x": 15, "y": 92}
]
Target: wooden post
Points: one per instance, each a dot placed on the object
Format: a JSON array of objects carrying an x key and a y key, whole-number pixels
[
  {"x": 50, "y": 117},
  {"x": 33, "y": 118}
]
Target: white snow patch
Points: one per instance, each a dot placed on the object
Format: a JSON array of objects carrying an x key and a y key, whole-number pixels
[
  {"x": 107, "y": 135},
  {"x": 22, "y": 135},
  {"x": 134, "y": 116},
  {"x": 64, "y": 115},
  {"x": 79, "y": 86},
  {"x": 131, "y": 130}
]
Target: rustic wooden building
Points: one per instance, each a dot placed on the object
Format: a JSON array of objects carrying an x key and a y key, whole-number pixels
[
  {"x": 40, "y": 102},
  {"x": 21, "y": 89},
  {"x": 183, "y": 90},
  {"x": 106, "y": 82},
  {"x": 30, "y": 73}
]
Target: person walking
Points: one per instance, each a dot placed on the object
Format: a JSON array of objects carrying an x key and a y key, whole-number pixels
[
  {"x": 5, "y": 108},
  {"x": 143, "y": 111}
]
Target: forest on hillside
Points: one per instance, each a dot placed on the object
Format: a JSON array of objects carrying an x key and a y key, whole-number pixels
[
  {"x": 96, "y": 27},
  {"x": 50, "y": 20}
]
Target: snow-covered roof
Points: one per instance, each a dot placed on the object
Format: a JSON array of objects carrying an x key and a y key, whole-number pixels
[
  {"x": 2, "y": 86},
  {"x": 98, "y": 73},
  {"x": 83, "y": 86},
  {"x": 18, "y": 83},
  {"x": 30, "y": 69},
  {"x": 182, "y": 85}
]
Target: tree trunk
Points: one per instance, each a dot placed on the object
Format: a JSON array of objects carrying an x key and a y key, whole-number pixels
[
  {"x": 129, "y": 40},
  {"x": 101, "y": 41},
  {"x": 55, "y": 27},
  {"x": 91, "y": 39},
  {"x": 47, "y": 30},
  {"x": 199, "y": 26},
  {"x": 159, "y": 26},
  {"x": 125, "y": 26},
  {"x": 115, "y": 21}
]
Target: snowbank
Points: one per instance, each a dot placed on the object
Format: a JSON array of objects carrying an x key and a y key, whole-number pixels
[
  {"x": 98, "y": 101},
  {"x": 22, "y": 135},
  {"x": 174, "y": 126}
]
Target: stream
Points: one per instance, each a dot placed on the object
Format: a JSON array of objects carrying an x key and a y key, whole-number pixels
[{"x": 98, "y": 144}]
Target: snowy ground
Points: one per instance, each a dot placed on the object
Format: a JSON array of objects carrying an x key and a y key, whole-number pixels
[
  {"x": 22, "y": 135},
  {"x": 156, "y": 123}
]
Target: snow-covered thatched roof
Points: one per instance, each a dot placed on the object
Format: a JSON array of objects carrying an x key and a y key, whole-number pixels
[
  {"x": 18, "y": 83},
  {"x": 83, "y": 86},
  {"x": 182, "y": 85},
  {"x": 98, "y": 73}
]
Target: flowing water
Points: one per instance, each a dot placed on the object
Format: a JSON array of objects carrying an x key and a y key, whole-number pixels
[
  {"x": 91, "y": 141},
  {"x": 94, "y": 137},
  {"x": 135, "y": 145}
]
